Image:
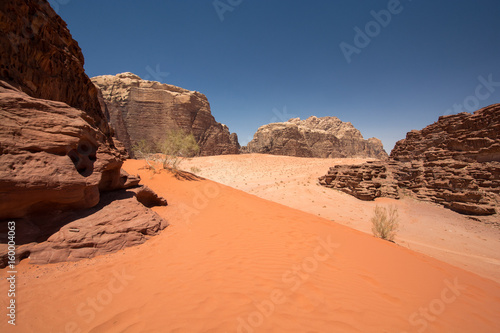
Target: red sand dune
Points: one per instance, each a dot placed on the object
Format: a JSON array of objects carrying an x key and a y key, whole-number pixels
[
  {"x": 424, "y": 227},
  {"x": 233, "y": 262}
]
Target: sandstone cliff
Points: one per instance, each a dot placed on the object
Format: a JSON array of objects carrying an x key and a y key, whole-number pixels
[
  {"x": 464, "y": 136},
  {"x": 57, "y": 154},
  {"x": 40, "y": 57},
  {"x": 141, "y": 109},
  {"x": 454, "y": 162},
  {"x": 314, "y": 137}
]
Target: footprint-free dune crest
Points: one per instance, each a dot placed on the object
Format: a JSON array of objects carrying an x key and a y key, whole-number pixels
[{"x": 233, "y": 262}]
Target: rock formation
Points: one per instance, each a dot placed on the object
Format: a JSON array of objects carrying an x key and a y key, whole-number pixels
[
  {"x": 463, "y": 137},
  {"x": 454, "y": 162},
  {"x": 51, "y": 155},
  {"x": 364, "y": 181},
  {"x": 118, "y": 221},
  {"x": 57, "y": 153},
  {"x": 314, "y": 137},
  {"x": 40, "y": 57},
  {"x": 141, "y": 109}
]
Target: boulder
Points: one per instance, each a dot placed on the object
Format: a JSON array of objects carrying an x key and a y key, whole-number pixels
[{"x": 119, "y": 220}]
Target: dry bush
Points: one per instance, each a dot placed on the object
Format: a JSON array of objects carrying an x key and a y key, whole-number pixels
[
  {"x": 195, "y": 170},
  {"x": 177, "y": 146},
  {"x": 169, "y": 152},
  {"x": 145, "y": 150},
  {"x": 385, "y": 222}
]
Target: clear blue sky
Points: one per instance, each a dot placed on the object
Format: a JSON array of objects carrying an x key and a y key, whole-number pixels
[{"x": 269, "y": 60}]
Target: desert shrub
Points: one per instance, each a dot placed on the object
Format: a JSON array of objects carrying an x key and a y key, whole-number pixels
[
  {"x": 175, "y": 147},
  {"x": 385, "y": 222},
  {"x": 169, "y": 152},
  {"x": 195, "y": 170},
  {"x": 145, "y": 150}
]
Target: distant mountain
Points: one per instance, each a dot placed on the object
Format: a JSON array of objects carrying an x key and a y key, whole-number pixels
[
  {"x": 141, "y": 109},
  {"x": 314, "y": 137}
]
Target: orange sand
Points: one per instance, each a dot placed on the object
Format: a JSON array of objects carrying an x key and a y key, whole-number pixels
[
  {"x": 233, "y": 262},
  {"x": 424, "y": 227}
]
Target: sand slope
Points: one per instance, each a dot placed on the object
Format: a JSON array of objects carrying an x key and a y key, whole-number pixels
[
  {"x": 424, "y": 227},
  {"x": 233, "y": 262}
]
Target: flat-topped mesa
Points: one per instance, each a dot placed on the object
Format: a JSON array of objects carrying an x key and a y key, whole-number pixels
[
  {"x": 325, "y": 137},
  {"x": 147, "y": 110},
  {"x": 454, "y": 162}
]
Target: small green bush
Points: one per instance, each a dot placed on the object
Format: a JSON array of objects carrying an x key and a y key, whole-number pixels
[
  {"x": 170, "y": 152},
  {"x": 385, "y": 222},
  {"x": 177, "y": 146}
]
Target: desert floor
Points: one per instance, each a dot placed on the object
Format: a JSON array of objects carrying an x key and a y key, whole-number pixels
[
  {"x": 233, "y": 262},
  {"x": 424, "y": 227}
]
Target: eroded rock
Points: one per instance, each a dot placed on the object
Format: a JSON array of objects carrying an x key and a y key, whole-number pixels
[
  {"x": 58, "y": 158},
  {"x": 463, "y": 137},
  {"x": 118, "y": 221},
  {"x": 147, "y": 110},
  {"x": 453, "y": 162},
  {"x": 365, "y": 181},
  {"x": 314, "y": 137}
]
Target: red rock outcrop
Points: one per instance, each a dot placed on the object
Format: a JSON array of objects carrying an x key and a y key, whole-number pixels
[
  {"x": 147, "y": 110},
  {"x": 118, "y": 221},
  {"x": 58, "y": 158},
  {"x": 364, "y": 181},
  {"x": 454, "y": 162},
  {"x": 40, "y": 57},
  {"x": 464, "y": 137},
  {"x": 51, "y": 157},
  {"x": 466, "y": 187},
  {"x": 314, "y": 137}
]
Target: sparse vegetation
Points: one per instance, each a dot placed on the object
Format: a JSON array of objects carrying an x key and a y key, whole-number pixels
[
  {"x": 145, "y": 150},
  {"x": 195, "y": 170},
  {"x": 177, "y": 146},
  {"x": 169, "y": 152},
  {"x": 385, "y": 222}
]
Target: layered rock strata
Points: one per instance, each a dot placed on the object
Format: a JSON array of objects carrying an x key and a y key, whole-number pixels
[
  {"x": 40, "y": 58},
  {"x": 463, "y": 137},
  {"x": 58, "y": 158},
  {"x": 364, "y": 181},
  {"x": 147, "y": 110},
  {"x": 454, "y": 162}
]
